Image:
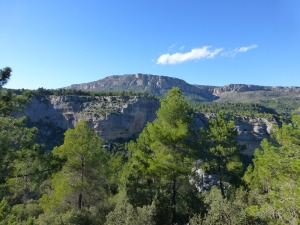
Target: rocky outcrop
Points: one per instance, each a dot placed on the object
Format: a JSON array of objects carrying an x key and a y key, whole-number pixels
[{"x": 251, "y": 131}]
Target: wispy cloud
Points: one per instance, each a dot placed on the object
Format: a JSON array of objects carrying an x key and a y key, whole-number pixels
[
  {"x": 204, "y": 52},
  {"x": 172, "y": 47},
  {"x": 239, "y": 50},
  {"x": 176, "y": 47},
  {"x": 245, "y": 49}
]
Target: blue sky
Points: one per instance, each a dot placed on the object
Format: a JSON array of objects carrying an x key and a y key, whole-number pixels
[{"x": 57, "y": 43}]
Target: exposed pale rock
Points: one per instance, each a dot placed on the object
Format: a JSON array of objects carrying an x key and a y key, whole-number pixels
[
  {"x": 116, "y": 118},
  {"x": 111, "y": 117}
]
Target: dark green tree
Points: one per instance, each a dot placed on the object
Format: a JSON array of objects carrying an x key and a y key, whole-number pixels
[
  {"x": 83, "y": 178},
  {"x": 273, "y": 180},
  {"x": 230, "y": 210},
  {"x": 23, "y": 168},
  {"x": 124, "y": 213},
  {"x": 222, "y": 150},
  {"x": 162, "y": 159},
  {"x": 4, "y": 75},
  {"x": 17, "y": 143}
]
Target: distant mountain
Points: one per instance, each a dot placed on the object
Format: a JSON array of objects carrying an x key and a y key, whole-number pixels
[
  {"x": 282, "y": 99},
  {"x": 153, "y": 84}
]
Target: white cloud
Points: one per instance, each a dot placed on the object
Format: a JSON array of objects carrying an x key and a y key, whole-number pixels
[{"x": 196, "y": 53}]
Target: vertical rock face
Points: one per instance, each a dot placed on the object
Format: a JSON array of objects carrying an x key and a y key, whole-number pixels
[
  {"x": 111, "y": 117},
  {"x": 116, "y": 118},
  {"x": 128, "y": 122}
]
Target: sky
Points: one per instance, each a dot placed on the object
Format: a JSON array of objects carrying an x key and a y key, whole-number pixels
[{"x": 56, "y": 43}]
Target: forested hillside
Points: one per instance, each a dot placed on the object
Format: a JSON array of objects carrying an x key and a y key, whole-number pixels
[{"x": 172, "y": 173}]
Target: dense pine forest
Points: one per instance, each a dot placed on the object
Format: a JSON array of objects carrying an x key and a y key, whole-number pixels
[{"x": 171, "y": 174}]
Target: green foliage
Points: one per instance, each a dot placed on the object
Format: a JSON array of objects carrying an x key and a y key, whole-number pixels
[
  {"x": 40, "y": 92},
  {"x": 11, "y": 102},
  {"x": 85, "y": 216},
  {"x": 22, "y": 214},
  {"x": 20, "y": 157},
  {"x": 79, "y": 192},
  {"x": 274, "y": 178},
  {"x": 6, "y": 103},
  {"x": 229, "y": 210},
  {"x": 5, "y": 209},
  {"x": 23, "y": 168},
  {"x": 4, "y": 75},
  {"x": 222, "y": 151},
  {"x": 115, "y": 169},
  {"x": 147, "y": 181},
  {"x": 83, "y": 178},
  {"x": 234, "y": 108},
  {"x": 124, "y": 213},
  {"x": 283, "y": 105},
  {"x": 161, "y": 161}
]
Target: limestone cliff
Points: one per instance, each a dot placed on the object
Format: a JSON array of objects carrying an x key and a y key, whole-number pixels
[
  {"x": 116, "y": 118},
  {"x": 111, "y": 117}
]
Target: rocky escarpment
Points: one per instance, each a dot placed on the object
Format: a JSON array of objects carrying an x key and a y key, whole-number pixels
[
  {"x": 240, "y": 88},
  {"x": 246, "y": 88},
  {"x": 273, "y": 97},
  {"x": 111, "y": 117},
  {"x": 118, "y": 118}
]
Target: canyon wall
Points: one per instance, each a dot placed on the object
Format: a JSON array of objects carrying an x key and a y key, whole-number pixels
[{"x": 121, "y": 118}]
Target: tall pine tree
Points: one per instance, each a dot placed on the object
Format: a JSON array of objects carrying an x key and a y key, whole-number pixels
[
  {"x": 82, "y": 182},
  {"x": 162, "y": 158},
  {"x": 222, "y": 150}
]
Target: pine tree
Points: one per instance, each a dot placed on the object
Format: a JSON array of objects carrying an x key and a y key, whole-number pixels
[
  {"x": 162, "y": 157},
  {"x": 82, "y": 182},
  {"x": 5, "y": 75},
  {"x": 274, "y": 178},
  {"x": 222, "y": 150}
]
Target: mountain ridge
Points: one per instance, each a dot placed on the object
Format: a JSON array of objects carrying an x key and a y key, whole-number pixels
[
  {"x": 284, "y": 98},
  {"x": 158, "y": 84},
  {"x": 153, "y": 84}
]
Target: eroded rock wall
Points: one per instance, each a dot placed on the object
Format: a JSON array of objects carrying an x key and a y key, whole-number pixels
[
  {"x": 111, "y": 117},
  {"x": 121, "y": 118}
]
